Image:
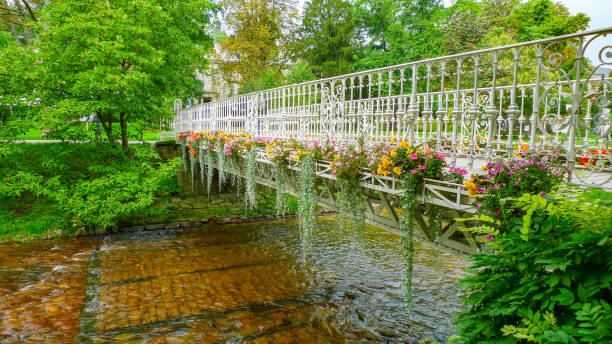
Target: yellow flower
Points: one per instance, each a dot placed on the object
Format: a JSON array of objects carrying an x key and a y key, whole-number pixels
[
  {"x": 485, "y": 167},
  {"x": 336, "y": 157},
  {"x": 393, "y": 153},
  {"x": 295, "y": 158},
  {"x": 393, "y": 140},
  {"x": 471, "y": 187},
  {"x": 397, "y": 170}
]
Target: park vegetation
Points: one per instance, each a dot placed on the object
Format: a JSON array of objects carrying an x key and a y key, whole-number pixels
[
  {"x": 268, "y": 44},
  {"x": 544, "y": 274}
]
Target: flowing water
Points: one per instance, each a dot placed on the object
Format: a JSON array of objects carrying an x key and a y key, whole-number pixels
[{"x": 232, "y": 283}]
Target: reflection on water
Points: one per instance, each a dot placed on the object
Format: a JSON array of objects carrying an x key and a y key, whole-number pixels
[{"x": 232, "y": 283}]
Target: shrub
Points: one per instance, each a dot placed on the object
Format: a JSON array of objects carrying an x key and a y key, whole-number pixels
[
  {"x": 548, "y": 278},
  {"x": 79, "y": 186}
]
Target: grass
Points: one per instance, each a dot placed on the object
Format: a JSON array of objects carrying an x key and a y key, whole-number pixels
[{"x": 133, "y": 134}]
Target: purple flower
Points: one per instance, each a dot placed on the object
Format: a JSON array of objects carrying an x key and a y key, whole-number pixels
[
  {"x": 490, "y": 237},
  {"x": 543, "y": 195}
]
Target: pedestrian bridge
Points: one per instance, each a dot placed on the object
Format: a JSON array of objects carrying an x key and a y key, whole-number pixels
[{"x": 475, "y": 107}]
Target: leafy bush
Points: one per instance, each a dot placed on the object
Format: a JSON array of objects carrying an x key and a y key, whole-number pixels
[
  {"x": 79, "y": 186},
  {"x": 548, "y": 278}
]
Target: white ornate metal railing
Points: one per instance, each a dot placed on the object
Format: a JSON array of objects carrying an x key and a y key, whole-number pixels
[{"x": 474, "y": 107}]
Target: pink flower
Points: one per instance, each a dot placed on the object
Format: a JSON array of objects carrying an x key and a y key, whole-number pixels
[
  {"x": 463, "y": 172},
  {"x": 414, "y": 171},
  {"x": 440, "y": 155},
  {"x": 497, "y": 212},
  {"x": 490, "y": 237},
  {"x": 414, "y": 156},
  {"x": 421, "y": 167}
]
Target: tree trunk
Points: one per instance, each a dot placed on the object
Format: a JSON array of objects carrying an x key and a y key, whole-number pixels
[
  {"x": 27, "y": 34},
  {"x": 108, "y": 127},
  {"x": 124, "y": 139},
  {"x": 12, "y": 25}
]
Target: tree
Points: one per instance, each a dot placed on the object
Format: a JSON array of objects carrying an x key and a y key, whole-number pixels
[
  {"x": 463, "y": 27},
  {"x": 495, "y": 12},
  {"x": 16, "y": 15},
  {"x": 300, "y": 72},
  {"x": 327, "y": 37},
  {"x": 122, "y": 59},
  {"x": 255, "y": 40},
  {"x": 379, "y": 22},
  {"x": 538, "y": 19},
  {"x": 420, "y": 19}
]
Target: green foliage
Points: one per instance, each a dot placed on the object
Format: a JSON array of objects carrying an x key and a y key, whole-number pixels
[
  {"x": 464, "y": 27},
  {"x": 548, "y": 278},
  {"x": 77, "y": 187},
  {"x": 327, "y": 38},
  {"x": 270, "y": 78},
  {"x": 116, "y": 60},
  {"x": 300, "y": 72},
  {"x": 538, "y": 19},
  {"x": 252, "y": 52}
]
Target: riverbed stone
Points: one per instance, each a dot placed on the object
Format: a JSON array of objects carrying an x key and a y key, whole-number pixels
[
  {"x": 173, "y": 226},
  {"x": 154, "y": 227},
  {"x": 131, "y": 229}
]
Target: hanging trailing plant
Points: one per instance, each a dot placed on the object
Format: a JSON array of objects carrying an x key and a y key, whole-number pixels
[
  {"x": 281, "y": 188},
  {"x": 220, "y": 164},
  {"x": 409, "y": 204},
  {"x": 351, "y": 202},
  {"x": 251, "y": 165},
  {"x": 210, "y": 162},
  {"x": 411, "y": 165},
  {"x": 183, "y": 144},
  {"x": 193, "y": 159},
  {"x": 202, "y": 160},
  {"x": 346, "y": 167},
  {"x": 307, "y": 201}
]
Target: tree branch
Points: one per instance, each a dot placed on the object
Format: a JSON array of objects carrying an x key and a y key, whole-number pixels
[{"x": 29, "y": 10}]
